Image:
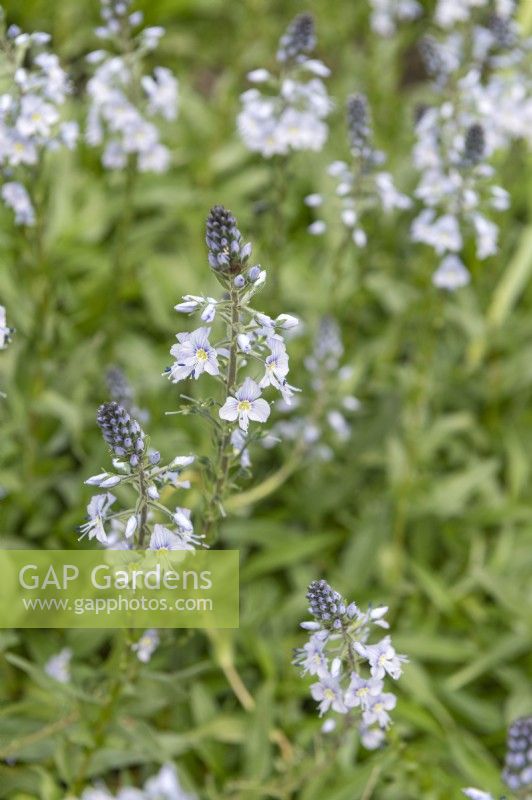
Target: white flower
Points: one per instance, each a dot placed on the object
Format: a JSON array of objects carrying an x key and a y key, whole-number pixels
[
  {"x": 301, "y": 130},
  {"x": 328, "y": 693},
  {"x": 258, "y": 76},
  {"x": 183, "y": 538},
  {"x": 146, "y": 645},
  {"x": 114, "y": 156},
  {"x": 5, "y": 330},
  {"x": 16, "y": 197},
  {"x": 103, "y": 480},
  {"x": 287, "y": 321},
  {"x": 276, "y": 365},
  {"x": 246, "y": 405},
  {"x": 58, "y": 666},
  {"x": 360, "y": 691},
  {"x": 162, "y": 92},
  {"x": 119, "y": 124},
  {"x": 194, "y": 355},
  {"x": 386, "y": 13},
  {"x": 163, "y": 539},
  {"x": 450, "y": 12},
  {"x": 131, "y": 526},
  {"x": 244, "y": 342},
  {"x": 290, "y": 119},
  {"x": 377, "y": 709},
  {"x": 477, "y": 794},
  {"x": 313, "y": 200},
  {"x": 382, "y": 658},
  {"x": 317, "y": 228},
  {"x": 371, "y": 738},
  {"x": 390, "y": 197},
  {"x": 451, "y": 274},
  {"x": 443, "y": 234},
  {"x": 36, "y": 117},
  {"x": 487, "y": 235},
  {"x": 166, "y": 786},
  {"x": 97, "y": 510},
  {"x": 156, "y": 159},
  {"x": 311, "y": 658}
]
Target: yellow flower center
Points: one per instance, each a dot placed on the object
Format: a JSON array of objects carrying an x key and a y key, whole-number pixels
[
  {"x": 362, "y": 692},
  {"x": 201, "y": 355},
  {"x": 328, "y": 694},
  {"x": 244, "y": 405}
]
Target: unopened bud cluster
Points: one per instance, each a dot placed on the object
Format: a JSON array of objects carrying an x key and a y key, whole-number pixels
[
  {"x": 298, "y": 40},
  {"x": 227, "y": 253},
  {"x": 123, "y": 434},
  {"x": 517, "y": 772},
  {"x": 327, "y": 605},
  {"x": 360, "y": 186},
  {"x": 358, "y": 123}
]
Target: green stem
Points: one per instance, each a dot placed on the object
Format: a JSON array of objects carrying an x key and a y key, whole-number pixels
[
  {"x": 104, "y": 720},
  {"x": 213, "y": 511},
  {"x": 274, "y": 481},
  {"x": 143, "y": 508}
]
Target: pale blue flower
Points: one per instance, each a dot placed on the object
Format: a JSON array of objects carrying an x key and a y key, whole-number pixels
[
  {"x": 311, "y": 658},
  {"x": 360, "y": 691},
  {"x": 382, "y": 658},
  {"x": 246, "y": 405},
  {"x": 58, "y": 666},
  {"x": 17, "y": 198},
  {"x": 193, "y": 355},
  {"x": 146, "y": 645},
  {"x": 451, "y": 274},
  {"x": 164, "y": 539},
  {"x": 377, "y": 709},
  {"x": 5, "y": 331},
  {"x": 276, "y": 365},
  {"x": 371, "y": 738},
  {"x": 97, "y": 510},
  {"x": 189, "y": 304},
  {"x": 166, "y": 786},
  {"x": 182, "y": 519},
  {"x": 328, "y": 694},
  {"x": 240, "y": 448}
]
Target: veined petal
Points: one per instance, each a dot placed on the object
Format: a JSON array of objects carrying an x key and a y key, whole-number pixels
[
  {"x": 259, "y": 411},
  {"x": 229, "y": 410}
]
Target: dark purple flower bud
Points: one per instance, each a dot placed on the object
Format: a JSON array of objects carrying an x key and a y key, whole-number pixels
[
  {"x": 475, "y": 145},
  {"x": 239, "y": 281},
  {"x": 325, "y": 604},
  {"x": 433, "y": 57},
  {"x": 254, "y": 273},
  {"x": 298, "y": 40},
  {"x": 517, "y": 772},
  {"x": 358, "y": 123},
  {"x": 123, "y": 434},
  {"x": 224, "y": 240}
]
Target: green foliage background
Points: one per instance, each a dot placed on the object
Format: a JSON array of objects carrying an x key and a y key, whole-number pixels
[{"x": 427, "y": 509}]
